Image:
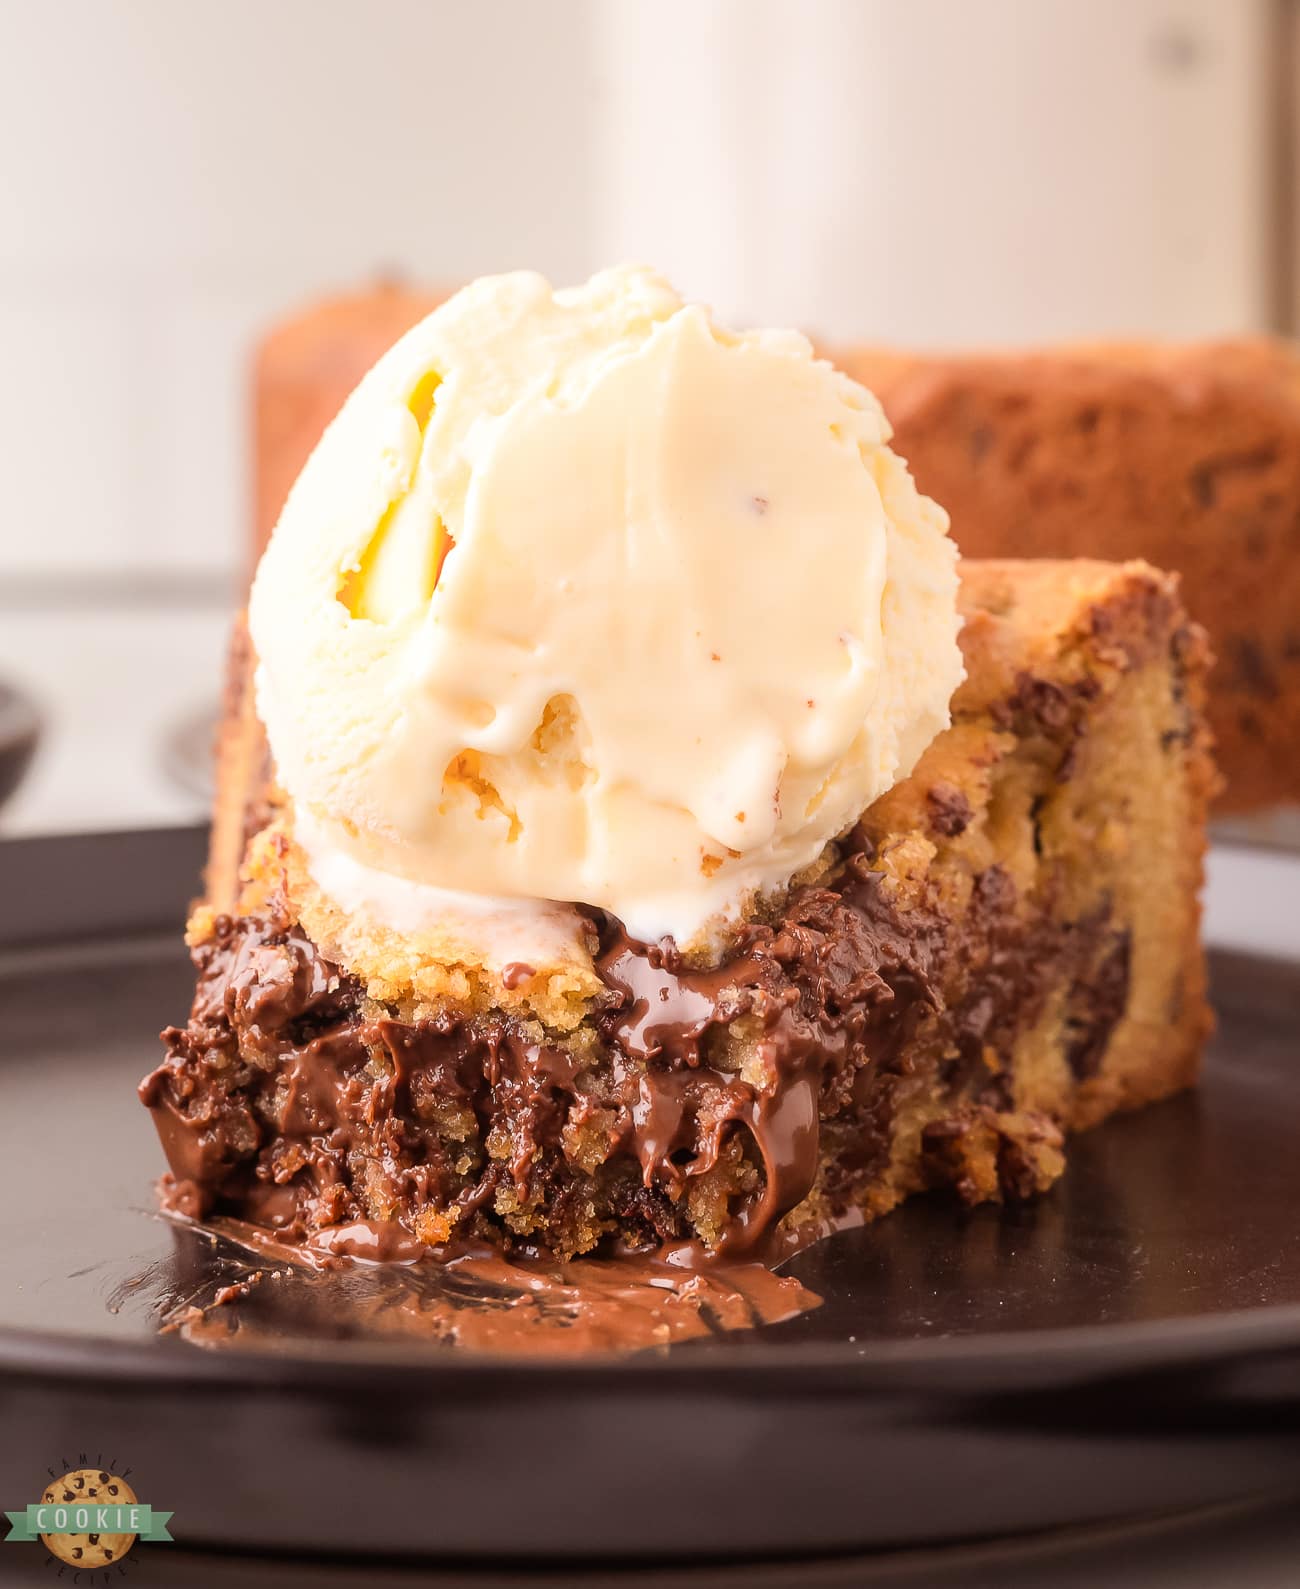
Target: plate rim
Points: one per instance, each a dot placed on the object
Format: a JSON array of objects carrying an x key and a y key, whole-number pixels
[{"x": 1179, "y": 1342}]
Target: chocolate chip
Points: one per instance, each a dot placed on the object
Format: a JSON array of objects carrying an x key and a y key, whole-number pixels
[
  {"x": 949, "y": 810},
  {"x": 1096, "y": 1005},
  {"x": 1249, "y": 668},
  {"x": 1203, "y": 486}
]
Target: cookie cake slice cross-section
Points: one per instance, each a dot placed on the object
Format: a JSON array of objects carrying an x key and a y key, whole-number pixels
[{"x": 503, "y": 940}]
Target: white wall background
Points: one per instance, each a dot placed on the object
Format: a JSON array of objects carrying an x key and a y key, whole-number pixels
[
  {"x": 948, "y": 171},
  {"x": 177, "y": 172}
]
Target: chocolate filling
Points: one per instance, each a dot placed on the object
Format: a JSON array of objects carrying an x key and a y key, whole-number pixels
[
  {"x": 696, "y": 1103},
  {"x": 1096, "y": 1004}
]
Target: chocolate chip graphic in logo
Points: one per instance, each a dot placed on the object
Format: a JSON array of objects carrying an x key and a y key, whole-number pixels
[{"x": 89, "y": 1487}]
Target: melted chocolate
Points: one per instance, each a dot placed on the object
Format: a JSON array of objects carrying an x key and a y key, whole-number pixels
[
  {"x": 1096, "y": 1003},
  {"x": 477, "y": 1299},
  {"x": 697, "y": 1103}
]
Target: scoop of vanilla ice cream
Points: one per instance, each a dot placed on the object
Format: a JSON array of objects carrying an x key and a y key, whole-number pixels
[{"x": 585, "y": 598}]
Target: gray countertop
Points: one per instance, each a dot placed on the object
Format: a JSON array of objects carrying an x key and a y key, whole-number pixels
[{"x": 113, "y": 684}]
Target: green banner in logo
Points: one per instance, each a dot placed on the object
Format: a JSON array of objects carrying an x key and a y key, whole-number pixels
[{"x": 88, "y": 1518}]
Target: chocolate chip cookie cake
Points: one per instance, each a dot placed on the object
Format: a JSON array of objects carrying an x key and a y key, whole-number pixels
[{"x": 634, "y": 827}]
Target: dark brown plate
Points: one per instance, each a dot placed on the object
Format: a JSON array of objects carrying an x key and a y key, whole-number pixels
[{"x": 1129, "y": 1344}]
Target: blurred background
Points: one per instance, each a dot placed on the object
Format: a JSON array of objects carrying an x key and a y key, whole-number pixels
[{"x": 179, "y": 177}]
